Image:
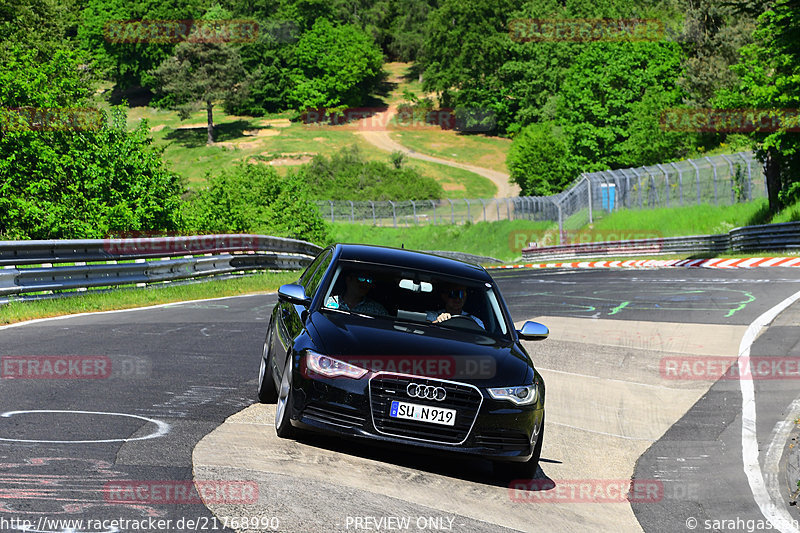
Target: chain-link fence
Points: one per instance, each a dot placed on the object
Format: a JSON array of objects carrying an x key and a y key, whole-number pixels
[{"x": 717, "y": 180}]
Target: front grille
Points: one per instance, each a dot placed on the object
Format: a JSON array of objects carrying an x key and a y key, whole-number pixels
[
  {"x": 503, "y": 440},
  {"x": 465, "y": 399},
  {"x": 334, "y": 415}
]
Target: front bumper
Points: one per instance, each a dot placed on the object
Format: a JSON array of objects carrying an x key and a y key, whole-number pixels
[{"x": 497, "y": 430}]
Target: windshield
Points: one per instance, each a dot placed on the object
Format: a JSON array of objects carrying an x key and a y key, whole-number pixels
[{"x": 415, "y": 296}]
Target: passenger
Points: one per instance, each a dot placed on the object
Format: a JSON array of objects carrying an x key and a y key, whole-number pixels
[
  {"x": 357, "y": 287},
  {"x": 454, "y": 297}
]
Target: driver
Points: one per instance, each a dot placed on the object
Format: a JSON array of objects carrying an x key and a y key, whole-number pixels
[
  {"x": 357, "y": 287},
  {"x": 454, "y": 298}
]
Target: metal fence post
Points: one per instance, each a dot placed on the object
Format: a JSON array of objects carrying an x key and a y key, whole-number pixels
[
  {"x": 697, "y": 176},
  {"x": 589, "y": 188},
  {"x": 680, "y": 182},
  {"x": 333, "y": 217},
  {"x": 433, "y": 204},
  {"x": 352, "y": 211},
  {"x": 638, "y": 185},
  {"x": 483, "y": 204},
  {"x": 666, "y": 178},
  {"x": 394, "y": 214},
  {"x": 714, "y": 167},
  {"x": 560, "y": 225},
  {"x": 469, "y": 214},
  {"x": 730, "y": 168},
  {"x": 414, "y": 210},
  {"x": 374, "y": 222},
  {"x": 749, "y": 176}
]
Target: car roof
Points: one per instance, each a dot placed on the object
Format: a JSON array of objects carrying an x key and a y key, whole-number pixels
[{"x": 412, "y": 259}]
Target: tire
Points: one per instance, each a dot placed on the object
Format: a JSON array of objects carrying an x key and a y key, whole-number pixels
[
  {"x": 267, "y": 393},
  {"x": 526, "y": 470},
  {"x": 283, "y": 427}
]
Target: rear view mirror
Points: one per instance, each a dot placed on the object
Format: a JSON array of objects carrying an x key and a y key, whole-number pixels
[
  {"x": 416, "y": 286},
  {"x": 533, "y": 331}
]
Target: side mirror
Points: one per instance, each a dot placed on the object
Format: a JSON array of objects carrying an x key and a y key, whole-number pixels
[
  {"x": 294, "y": 293},
  {"x": 533, "y": 331}
]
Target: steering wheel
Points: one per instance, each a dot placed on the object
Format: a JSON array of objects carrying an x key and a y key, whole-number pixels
[{"x": 463, "y": 322}]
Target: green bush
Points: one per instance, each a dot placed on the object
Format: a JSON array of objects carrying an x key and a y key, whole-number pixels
[
  {"x": 255, "y": 199},
  {"x": 540, "y": 160},
  {"x": 348, "y": 176}
]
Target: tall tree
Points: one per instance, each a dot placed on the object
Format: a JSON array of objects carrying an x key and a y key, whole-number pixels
[
  {"x": 200, "y": 73},
  {"x": 334, "y": 66},
  {"x": 770, "y": 79}
]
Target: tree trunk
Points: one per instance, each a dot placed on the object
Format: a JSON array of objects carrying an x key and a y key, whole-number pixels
[
  {"x": 209, "y": 110},
  {"x": 772, "y": 171}
]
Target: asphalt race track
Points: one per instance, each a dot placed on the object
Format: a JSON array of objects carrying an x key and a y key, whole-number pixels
[{"x": 108, "y": 418}]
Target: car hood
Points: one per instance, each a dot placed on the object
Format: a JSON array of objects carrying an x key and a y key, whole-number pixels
[{"x": 419, "y": 349}]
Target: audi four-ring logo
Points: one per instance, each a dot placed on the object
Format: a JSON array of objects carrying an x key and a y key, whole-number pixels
[{"x": 427, "y": 392}]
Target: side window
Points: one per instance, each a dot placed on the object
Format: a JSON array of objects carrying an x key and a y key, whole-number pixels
[
  {"x": 312, "y": 268},
  {"x": 312, "y": 283}
]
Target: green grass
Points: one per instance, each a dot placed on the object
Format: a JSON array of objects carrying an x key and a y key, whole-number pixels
[
  {"x": 678, "y": 221},
  {"x": 478, "y": 150},
  {"x": 790, "y": 214},
  {"x": 17, "y": 311},
  {"x": 274, "y": 138},
  {"x": 502, "y": 240}
]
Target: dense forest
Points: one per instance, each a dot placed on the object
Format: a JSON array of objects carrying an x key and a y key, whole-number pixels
[{"x": 571, "y": 100}]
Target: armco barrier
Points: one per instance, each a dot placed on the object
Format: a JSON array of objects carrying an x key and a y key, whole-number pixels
[
  {"x": 768, "y": 237},
  {"x": 29, "y": 265}
]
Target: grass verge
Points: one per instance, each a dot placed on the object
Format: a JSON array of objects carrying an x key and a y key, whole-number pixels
[
  {"x": 492, "y": 239},
  {"x": 678, "y": 221},
  {"x": 18, "y": 311}
]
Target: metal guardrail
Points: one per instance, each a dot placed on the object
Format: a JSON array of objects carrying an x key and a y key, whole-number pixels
[
  {"x": 36, "y": 266},
  {"x": 769, "y": 237}
]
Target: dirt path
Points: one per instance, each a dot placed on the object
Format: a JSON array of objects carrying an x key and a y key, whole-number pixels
[{"x": 379, "y": 137}]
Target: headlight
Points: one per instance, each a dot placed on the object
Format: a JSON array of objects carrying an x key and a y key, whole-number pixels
[
  {"x": 522, "y": 395},
  {"x": 332, "y": 368}
]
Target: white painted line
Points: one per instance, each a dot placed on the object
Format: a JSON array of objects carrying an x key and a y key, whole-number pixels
[
  {"x": 163, "y": 427},
  {"x": 63, "y": 317},
  {"x": 583, "y": 429},
  {"x": 606, "y": 379},
  {"x": 774, "y": 511}
]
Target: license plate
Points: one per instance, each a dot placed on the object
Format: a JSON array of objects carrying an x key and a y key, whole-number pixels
[{"x": 423, "y": 413}]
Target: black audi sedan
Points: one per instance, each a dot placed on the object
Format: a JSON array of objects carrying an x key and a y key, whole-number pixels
[{"x": 408, "y": 348}]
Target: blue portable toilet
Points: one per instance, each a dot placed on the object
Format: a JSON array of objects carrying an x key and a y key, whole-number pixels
[{"x": 607, "y": 193}]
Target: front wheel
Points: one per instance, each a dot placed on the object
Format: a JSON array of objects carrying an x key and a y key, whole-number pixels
[
  {"x": 267, "y": 393},
  {"x": 283, "y": 427}
]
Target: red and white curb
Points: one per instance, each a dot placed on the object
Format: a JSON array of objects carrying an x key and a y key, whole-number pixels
[{"x": 750, "y": 262}]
